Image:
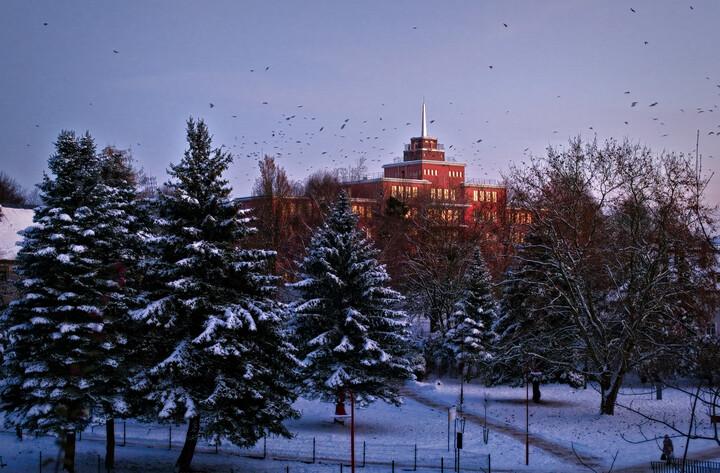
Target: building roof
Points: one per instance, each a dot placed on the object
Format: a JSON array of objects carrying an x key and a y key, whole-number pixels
[{"x": 13, "y": 220}]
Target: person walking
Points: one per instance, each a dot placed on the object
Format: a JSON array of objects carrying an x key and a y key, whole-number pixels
[{"x": 667, "y": 450}]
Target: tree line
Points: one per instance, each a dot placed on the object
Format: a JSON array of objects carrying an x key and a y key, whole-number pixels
[
  {"x": 156, "y": 308},
  {"x": 179, "y": 306}
]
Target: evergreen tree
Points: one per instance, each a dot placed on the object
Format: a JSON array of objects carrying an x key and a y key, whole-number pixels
[
  {"x": 346, "y": 327},
  {"x": 472, "y": 339},
  {"x": 529, "y": 333},
  {"x": 63, "y": 342},
  {"x": 121, "y": 222},
  {"x": 214, "y": 335}
]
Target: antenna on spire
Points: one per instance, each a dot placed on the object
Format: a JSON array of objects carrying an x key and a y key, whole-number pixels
[{"x": 424, "y": 121}]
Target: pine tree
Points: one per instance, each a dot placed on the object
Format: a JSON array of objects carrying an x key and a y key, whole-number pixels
[
  {"x": 345, "y": 324},
  {"x": 120, "y": 223},
  {"x": 214, "y": 334},
  {"x": 63, "y": 342},
  {"x": 472, "y": 339},
  {"x": 528, "y": 332}
]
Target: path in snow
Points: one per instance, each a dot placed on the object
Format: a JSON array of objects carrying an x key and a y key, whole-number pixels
[{"x": 557, "y": 450}]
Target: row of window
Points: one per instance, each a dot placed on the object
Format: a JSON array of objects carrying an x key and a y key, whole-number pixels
[
  {"x": 520, "y": 217},
  {"x": 442, "y": 194},
  {"x": 485, "y": 196},
  {"x": 450, "y": 215},
  {"x": 362, "y": 210},
  {"x": 404, "y": 192},
  {"x": 434, "y": 172},
  {"x": 485, "y": 215},
  {"x": 438, "y": 193}
]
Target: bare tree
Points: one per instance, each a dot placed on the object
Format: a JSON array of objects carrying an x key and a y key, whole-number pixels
[
  {"x": 11, "y": 193},
  {"x": 621, "y": 238}
]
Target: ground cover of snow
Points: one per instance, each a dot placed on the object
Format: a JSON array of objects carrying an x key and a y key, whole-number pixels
[{"x": 566, "y": 417}]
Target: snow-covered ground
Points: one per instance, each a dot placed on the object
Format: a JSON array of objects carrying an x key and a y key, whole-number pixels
[{"x": 566, "y": 417}]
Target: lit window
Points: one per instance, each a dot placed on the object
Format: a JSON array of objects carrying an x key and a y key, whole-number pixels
[
  {"x": 432, "y": 193},
  {"x": 393, "y": 192},
  {"x": 475, "y": 195},
  {"x": 447, "y": 193}
]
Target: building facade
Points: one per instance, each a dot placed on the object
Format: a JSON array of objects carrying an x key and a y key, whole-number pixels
[{"x": 424, "y": 177}]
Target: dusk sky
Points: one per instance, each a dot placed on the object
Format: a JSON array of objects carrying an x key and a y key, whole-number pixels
[{"x": 321, "y": 84}]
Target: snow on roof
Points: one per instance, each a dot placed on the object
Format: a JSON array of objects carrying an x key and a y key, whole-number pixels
[{"x": 13, "y": 220}]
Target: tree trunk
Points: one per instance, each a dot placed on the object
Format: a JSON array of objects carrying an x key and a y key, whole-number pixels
[
  {"x": 610, "y": 393},
  {"x": 188, "y": 450},
  {"x": 110, "y": 444},
  {"x": 536, "y": 390},
  {"x": 69, "y": 450}
]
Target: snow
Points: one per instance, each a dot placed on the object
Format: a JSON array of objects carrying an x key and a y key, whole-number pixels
[
  {"x": 11, "y": 222},
  {"x": 565, "y": 418}
]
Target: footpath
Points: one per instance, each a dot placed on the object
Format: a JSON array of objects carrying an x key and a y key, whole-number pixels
[{"x": 562, "y": 452}]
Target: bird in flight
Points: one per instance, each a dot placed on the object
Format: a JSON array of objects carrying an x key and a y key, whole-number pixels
[
  {"x": 633, "y": 104},
  {"x": 116, "y": 51},
  {"x": 653, "y": 104},
  {"x": 212, "y": 105}
]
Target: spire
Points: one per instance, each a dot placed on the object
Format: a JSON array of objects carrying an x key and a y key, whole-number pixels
[{"x": 424, "y": 121}]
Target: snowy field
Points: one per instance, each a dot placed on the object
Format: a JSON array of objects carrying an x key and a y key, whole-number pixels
[{"x": 416, "y": 433}]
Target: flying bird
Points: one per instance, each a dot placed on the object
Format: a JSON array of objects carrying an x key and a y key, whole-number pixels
[
  {"x": 505, "y": 25},
  {"x": 116, "y": 51},
  {"x": 653, "y": 104},
  {"x": 633, "y": 104},
  {"x": 212, "y": 105},
  {"x": 632, "y": 10}
]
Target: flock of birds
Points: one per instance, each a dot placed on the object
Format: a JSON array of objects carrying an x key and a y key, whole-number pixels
[{"x": 302, "y": 137}]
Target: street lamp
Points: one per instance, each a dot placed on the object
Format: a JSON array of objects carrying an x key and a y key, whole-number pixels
[{"x": 527, "y": 411}]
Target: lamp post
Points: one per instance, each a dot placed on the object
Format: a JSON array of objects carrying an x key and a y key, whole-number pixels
[
  {"x": 535, "y": 374},
  {"x": 352, "y": 428},
  {"x": 527, "y": 416}
]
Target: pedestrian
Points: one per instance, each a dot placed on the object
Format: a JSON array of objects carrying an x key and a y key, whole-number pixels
[{"x": 667, "y": 450}]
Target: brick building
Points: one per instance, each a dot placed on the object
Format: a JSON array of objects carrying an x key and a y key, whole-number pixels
[{"x": 424, "y": 177}]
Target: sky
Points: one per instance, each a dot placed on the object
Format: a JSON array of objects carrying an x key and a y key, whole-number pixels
[{"x": 323, "y": 84}]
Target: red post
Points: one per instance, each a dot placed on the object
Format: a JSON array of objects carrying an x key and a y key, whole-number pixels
[{"x": 352, "y": 428}]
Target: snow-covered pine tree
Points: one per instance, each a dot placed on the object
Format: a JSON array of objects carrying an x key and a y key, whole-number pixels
[
  {"x": 121, "y": 222},
  {"x": 346, "y": 326},
  {"x": 471, "y": 337},
  {"x": 63, "y": 348},
  {"x": 528, "y": 332},
  {"x": 219, "y": 358}
]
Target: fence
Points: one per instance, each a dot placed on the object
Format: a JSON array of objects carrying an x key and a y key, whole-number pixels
[
  {"x": 687, "y": 466},
  {"x": 375, "y": 457},
  {"x": 406, "y": 457}
]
